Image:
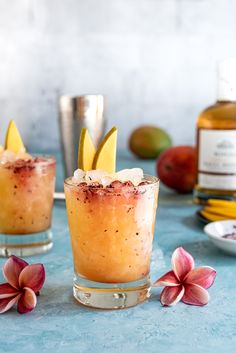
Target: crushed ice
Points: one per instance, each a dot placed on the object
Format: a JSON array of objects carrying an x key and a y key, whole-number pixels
[
  {"x": 135, "y": 175},
  {"x": 7, "y": 156}
]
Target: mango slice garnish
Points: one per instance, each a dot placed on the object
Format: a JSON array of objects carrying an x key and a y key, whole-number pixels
[
  {"x": 105, "y": 157},
  {"x": 86, "y": 151},
  {"x": 13, "y": 140}
]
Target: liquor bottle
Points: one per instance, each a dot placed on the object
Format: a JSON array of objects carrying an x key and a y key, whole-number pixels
[{"x": 216, "y": 140}]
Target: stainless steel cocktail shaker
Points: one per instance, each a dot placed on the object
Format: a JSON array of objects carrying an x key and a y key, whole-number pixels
[{"x": 74, "y": 114}]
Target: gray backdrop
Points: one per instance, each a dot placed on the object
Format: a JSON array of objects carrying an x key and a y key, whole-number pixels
[{"x": 154, "y": 59}]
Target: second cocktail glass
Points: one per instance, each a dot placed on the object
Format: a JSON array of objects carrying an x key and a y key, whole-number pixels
[
  {"x": 26, "y": 198},
  {"x": 26, "y": 194}
]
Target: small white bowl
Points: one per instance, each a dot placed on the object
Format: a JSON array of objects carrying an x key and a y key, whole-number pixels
[{"x": 216, "y": 231}]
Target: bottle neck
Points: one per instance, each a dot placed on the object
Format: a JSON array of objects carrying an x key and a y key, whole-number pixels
[
  {"x": 227, "y": 81},
  {"x": 226, "y": 91}
]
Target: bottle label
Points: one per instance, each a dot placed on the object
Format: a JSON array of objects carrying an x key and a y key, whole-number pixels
[{"x": 217, "y": 159}]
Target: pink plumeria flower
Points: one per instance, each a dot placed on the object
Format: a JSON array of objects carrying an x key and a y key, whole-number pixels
[
  {"x": 185, "y": 282},
  {"x": 24, "y": 283}
]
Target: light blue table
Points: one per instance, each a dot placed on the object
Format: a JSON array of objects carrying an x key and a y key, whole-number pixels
[{"x": 60, "y": 325}]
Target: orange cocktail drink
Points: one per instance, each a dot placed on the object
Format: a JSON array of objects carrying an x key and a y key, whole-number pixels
[
  {"x": 26, "y": 194},
  {"x": 112, "y": 230}
]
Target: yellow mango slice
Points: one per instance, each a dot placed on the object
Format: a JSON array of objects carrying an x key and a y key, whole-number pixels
[
  {"x": 105, "y": 157},
  {"x": 213, "y": 217},
  {"x": 86, "y": 151},
  {"x": 221, "y": 211},
  {"x": 222, "y": 203},
  {"x": 14, "y": 141}
]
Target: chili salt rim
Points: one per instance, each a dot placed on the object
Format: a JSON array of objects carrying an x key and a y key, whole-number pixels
[{"x": 152, "y": 181}]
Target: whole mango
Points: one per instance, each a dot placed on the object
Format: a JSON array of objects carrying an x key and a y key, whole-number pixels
[
  {"x": 149, "y": 141},
  {"x": 177, "y": 168}
]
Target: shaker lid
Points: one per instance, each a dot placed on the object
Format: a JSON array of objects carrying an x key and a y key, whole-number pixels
[{"x": 81, "y": 103}]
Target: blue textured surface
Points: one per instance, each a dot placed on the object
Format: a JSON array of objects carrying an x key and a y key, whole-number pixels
[{"x": 60, "y": 324}]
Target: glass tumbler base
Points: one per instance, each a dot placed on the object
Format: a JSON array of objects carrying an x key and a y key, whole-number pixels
[
  {"x": 109, "y": 295},
  {"x": 25, "y": 244}
]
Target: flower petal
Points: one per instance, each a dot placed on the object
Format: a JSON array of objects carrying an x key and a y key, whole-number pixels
[
  {"x": 32, "y": 276},
  {"x": 12, "y": 269},
  {"x": 182, "y": 263},
  {"x": 195, "y": 295},
  {"x": 171, "y": 295},
  {"x": 27, "y": 301},
  {"x": 203, "y": 276},
  {"x": 7, "y": 303},
  {"x": 168, "y": 279},
  {"x": 7, "y": 291}
]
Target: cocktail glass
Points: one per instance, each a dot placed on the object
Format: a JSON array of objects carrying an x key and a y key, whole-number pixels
[
  {"x": 111, "y": 232},
  {"x": 26, "y": 200}
]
